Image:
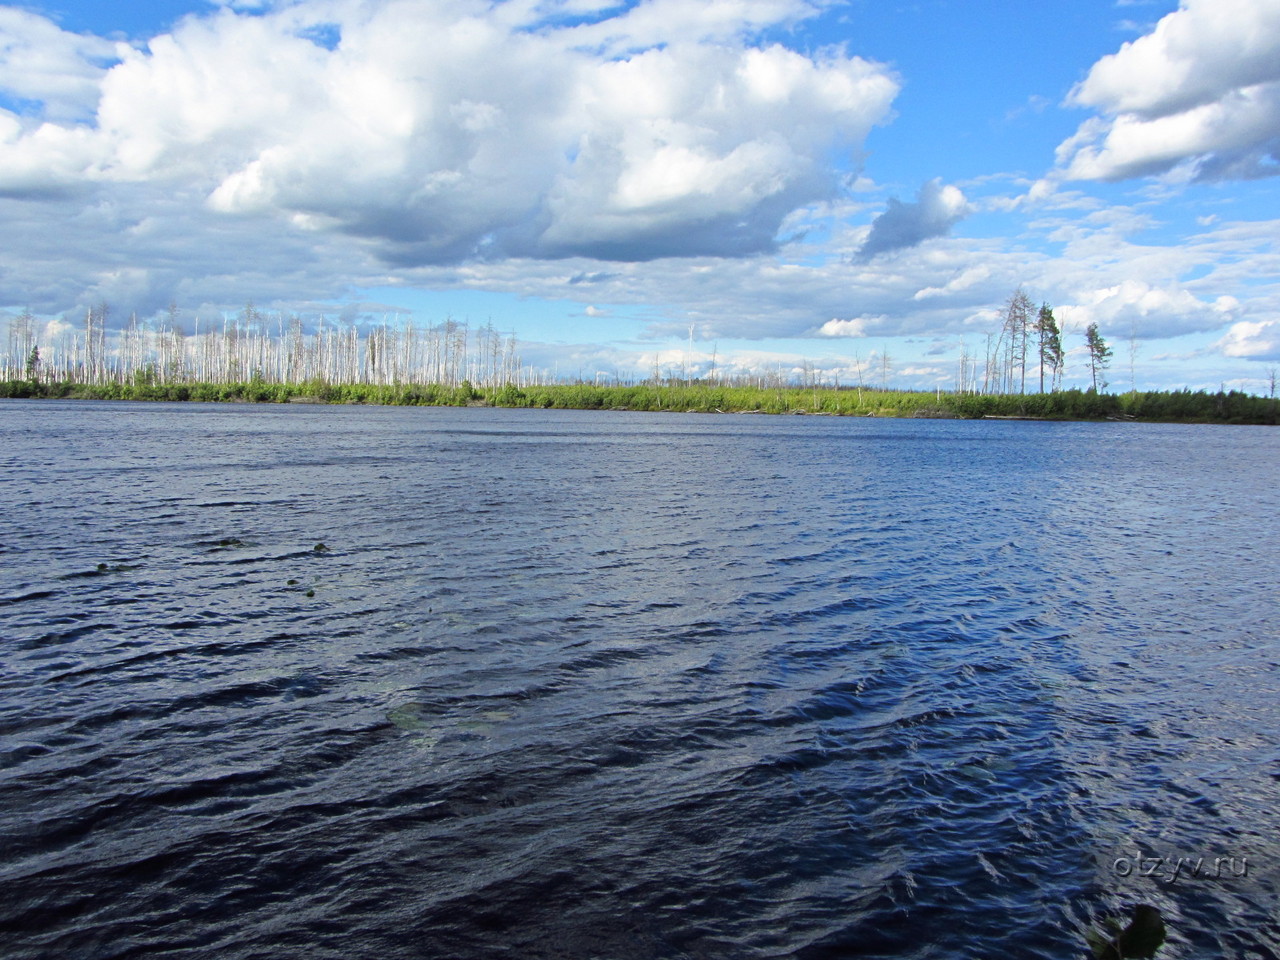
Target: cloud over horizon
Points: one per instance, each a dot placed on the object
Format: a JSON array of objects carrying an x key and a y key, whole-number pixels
[
  {"x": 446, "y": 131},
  {"x": 589, "y": 170}
]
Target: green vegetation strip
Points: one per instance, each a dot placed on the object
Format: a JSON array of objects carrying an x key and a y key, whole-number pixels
[{"x": 1168, "y": 406}]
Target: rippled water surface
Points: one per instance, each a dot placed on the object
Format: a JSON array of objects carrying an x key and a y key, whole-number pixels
[{"x": 431, "y": 683}]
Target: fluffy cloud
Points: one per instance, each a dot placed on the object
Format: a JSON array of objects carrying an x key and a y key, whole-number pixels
[
  {"x": 453, "y": 130},
  {"x": 1194, "y": 56},
  {"x": 300, "y": 151},
  {"x": 857, "y": 327},
  {"x": 1254, "y": 340},
  {"x": 1201, "y": 92},
  {"x": 936, "y": 210},
  {"x": 1136, "y": 308},
  {"x": 41, "y": 62},
  {"x": 139, "y": 251}
]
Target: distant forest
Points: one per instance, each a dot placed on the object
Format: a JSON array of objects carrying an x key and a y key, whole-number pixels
[
  {"x": 253, "y": 357},
  {"x": 1180, "y": 406}
]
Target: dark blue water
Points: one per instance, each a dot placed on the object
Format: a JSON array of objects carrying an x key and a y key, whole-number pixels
[{"x": 617, "y": 685}]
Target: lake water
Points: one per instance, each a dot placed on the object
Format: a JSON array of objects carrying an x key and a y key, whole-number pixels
[{"x": 618, "y": 685}]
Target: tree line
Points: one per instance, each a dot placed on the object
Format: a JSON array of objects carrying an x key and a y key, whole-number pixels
[
  {"x": 252, "y": 346},
  {"x": 255, "y": 347},
  {"x": 1031, "y": 340},
  {"x": 706, "y": 397}
]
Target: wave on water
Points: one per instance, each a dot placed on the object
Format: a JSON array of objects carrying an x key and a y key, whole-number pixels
[{"x": 366, "y": 682}]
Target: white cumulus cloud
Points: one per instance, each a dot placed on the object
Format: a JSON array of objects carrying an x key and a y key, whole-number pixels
[
  {"x": 447, "y": 130},
  {"x": 1140, "y": 309},
  {"x": 40, "y": 61},
  {"x": 857, "y": 327},
  {"x": 1201, "y": 91},
  {"x": 1254, "y": 340}
]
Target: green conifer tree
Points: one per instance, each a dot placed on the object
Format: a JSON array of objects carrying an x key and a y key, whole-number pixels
[
  {"x": 1050, "y": 339},
  {"x": 1099, "y": 356}
]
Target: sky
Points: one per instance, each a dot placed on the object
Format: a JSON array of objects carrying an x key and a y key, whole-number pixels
[{"x": 850, "y": 188}]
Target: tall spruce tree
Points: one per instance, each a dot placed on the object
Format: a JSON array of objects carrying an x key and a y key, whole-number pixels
[
  {"x": 33, "y": 365},
  {"x": 1050, "y": 340},
  {"x": 1099, "y": 356}
]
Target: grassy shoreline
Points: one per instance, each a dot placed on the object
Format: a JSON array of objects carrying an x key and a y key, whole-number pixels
[{"x": 1180, "y": 406}]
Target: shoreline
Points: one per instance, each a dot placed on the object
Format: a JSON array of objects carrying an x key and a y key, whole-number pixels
[{"x": 1181, "y": 406}]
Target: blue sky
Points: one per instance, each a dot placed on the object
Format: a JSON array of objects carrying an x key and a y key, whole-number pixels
[{"x": 803, "y": 183}]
